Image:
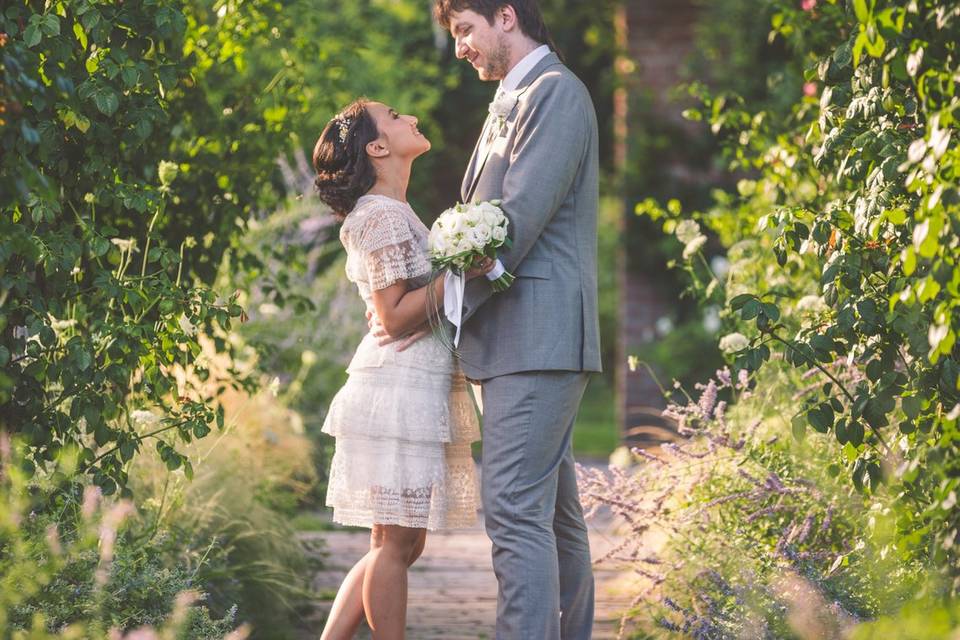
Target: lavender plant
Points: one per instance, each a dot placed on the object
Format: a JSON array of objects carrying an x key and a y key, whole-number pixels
[{"x": 736, "y": 531}]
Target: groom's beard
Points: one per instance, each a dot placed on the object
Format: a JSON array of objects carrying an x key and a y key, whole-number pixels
[{"x": 498, "y": 62}]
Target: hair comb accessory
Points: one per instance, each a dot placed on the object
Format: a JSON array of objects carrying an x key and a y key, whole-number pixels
[{"x": 343, "y": 123}]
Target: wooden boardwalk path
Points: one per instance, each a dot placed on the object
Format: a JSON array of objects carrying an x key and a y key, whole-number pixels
[{"x": 452, "y": 588}]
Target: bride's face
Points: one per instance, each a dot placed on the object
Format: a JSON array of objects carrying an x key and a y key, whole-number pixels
[{"x": 398, "y": 133}]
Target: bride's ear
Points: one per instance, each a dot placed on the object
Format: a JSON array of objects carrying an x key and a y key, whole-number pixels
[{"x": 376, "y": 149}]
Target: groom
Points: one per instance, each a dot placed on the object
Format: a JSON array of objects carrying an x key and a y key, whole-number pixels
[{"x": 532, "y": 346}]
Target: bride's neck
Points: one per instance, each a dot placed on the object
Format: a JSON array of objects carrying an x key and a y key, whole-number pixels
[{"x": 392, "y": 182}]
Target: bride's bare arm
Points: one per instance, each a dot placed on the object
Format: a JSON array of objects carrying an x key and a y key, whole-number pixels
[{"x": 401, "y": 310}]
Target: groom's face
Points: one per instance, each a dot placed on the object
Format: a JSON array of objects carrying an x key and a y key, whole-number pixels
[{"x": 482, "y": 44}]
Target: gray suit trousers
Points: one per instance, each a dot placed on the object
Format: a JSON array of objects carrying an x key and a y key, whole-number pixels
[{"x": 541, "y": 554}]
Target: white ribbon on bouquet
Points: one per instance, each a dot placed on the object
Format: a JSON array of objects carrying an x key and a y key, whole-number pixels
[{"x": 453, "y": 287}]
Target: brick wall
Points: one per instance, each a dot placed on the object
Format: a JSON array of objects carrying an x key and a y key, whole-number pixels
[{"x": 658, "y": 36}]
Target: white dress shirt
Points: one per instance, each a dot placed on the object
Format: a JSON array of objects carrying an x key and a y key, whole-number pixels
[{"x": 522, "y": 68}]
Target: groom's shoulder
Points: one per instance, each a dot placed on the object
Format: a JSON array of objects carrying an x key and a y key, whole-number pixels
[{"x": 558, "y": 78}]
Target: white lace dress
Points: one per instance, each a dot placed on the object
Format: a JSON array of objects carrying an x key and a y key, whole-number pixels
[{"x": 404, "y": 421}]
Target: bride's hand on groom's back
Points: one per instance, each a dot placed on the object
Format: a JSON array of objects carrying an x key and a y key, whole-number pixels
[{"x": 404, "y": 342}]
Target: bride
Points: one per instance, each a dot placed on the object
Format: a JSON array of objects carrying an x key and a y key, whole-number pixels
[{"x": 403, "y": 422}]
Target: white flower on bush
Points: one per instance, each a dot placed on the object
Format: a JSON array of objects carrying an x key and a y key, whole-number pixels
[
  {"x": 622, "y": 458},
  {"x": 694, "y": 246},
  {"x": 733, "y": 342},
  {"x": 720, "y": 266},
  {"x": 811, "y": 303},
  {"x": 687, "y": 230},
  {"x": 144, "y": 417},
  {"x": 186, "y": 326},
  {"x": 664, "y": 325},
  {"x": 125, "y": 244}
]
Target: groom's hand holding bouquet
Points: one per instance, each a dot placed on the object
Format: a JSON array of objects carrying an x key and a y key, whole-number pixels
[
  {"x": 461, "y": 237},
  {"x": 466, "y": 233}
]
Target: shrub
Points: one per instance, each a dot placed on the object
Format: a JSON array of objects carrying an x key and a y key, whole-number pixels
[{"x": 80, "y": 568}]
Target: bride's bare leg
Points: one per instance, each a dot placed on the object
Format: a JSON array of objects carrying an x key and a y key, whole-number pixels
[
  {"x": 347, "y": 610},
  {"x": 385, "y": 579}
]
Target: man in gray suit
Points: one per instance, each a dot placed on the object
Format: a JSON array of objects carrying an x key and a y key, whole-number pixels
[{"x": 532, "y": 346}]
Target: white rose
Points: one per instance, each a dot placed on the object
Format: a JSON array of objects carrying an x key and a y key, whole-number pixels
[
  {"x": 499, "y": 234},
  {"x": 478, "y": 239},
  {"x": 733, "y": 342},
  {"x": 462, "y": 243},
  {"x": 457, "y": 225},
  {"x": 488, "y": 212},
  {"x": 487, "y": 230},
  {"x": 438, "y": 246},
  {"x": 474, "y": 215},
  {"x": 504, "y": 104}
]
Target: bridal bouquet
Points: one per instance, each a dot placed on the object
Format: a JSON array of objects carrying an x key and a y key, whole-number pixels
[{"x": 469, "y": 231}]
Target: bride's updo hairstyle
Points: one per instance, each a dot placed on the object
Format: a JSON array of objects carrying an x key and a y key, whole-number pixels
[{"x": 344, "y": 171}]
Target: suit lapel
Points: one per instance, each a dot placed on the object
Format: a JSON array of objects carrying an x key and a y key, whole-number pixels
[
  {"x": 475, "y": 168},
  {"x": 474, "y": 159}
]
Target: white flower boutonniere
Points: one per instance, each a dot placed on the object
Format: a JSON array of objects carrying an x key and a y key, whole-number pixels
[{"x": 503, "y": 105}]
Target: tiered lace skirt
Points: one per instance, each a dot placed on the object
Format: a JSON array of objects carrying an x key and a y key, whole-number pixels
[{"x": 403, "y": 425}]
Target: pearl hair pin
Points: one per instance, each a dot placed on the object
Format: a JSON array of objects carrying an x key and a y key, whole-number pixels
[{"x": 343, "y": 123}]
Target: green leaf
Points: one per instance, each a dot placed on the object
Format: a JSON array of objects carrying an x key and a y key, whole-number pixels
[
  {"x": 80, "y": 34},
  {"x": 855, "y": 433},
  {"x": 876, "y": 46},
  {"x": 840, "y": 430},
  {"x": 106, "y": 100},
  {"x": 798, "y": 427},
  {"x": 771, "y": 311},
  {"x": 738, "y": 301},
  {"x": 32, "y": 35},
  {"x": 127, "y": 450},
  {"x": 858, "y": 47},
  {"x": 751, "y": 309},
  {"x": 861, "y": 11},
  {"x": 50, "y": 24},
  {"x": 819, "y": 419}
]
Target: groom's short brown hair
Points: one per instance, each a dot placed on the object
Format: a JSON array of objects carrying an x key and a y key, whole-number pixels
[{"x": 528, "y": 14}]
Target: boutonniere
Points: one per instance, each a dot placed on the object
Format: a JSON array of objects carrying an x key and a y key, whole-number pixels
[{"x": 503, "y": 105}]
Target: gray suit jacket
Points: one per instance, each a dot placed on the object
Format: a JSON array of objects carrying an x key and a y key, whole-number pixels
[{"x": 543, "y": 165}]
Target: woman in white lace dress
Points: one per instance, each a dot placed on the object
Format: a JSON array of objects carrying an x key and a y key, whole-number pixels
[{"x": 403, "y": 422}]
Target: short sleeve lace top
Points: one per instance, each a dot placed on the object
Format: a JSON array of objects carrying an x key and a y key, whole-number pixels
[{"x": 385, "y": 243}]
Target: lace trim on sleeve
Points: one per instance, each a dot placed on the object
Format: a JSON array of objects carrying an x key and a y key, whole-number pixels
[{"x": 391, "y": 251}]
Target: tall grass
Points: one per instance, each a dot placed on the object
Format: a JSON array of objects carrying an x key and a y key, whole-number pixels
[{"x": 230, "y": 522}]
